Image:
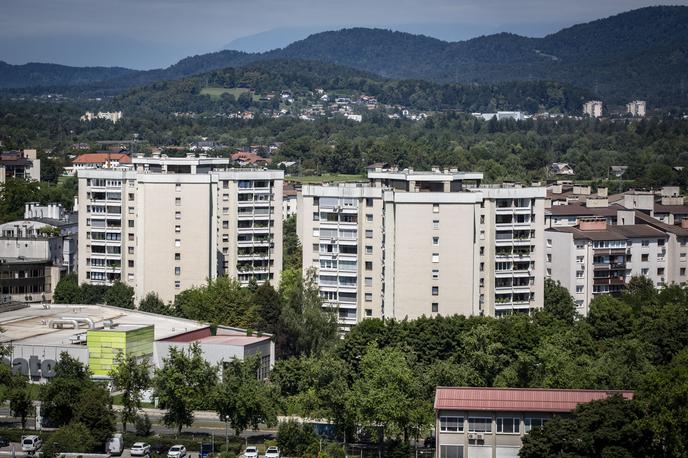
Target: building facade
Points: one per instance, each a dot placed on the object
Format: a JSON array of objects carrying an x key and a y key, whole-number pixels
[
  {"x": 409, "y": 244},
  {"x": 593, "y": 108},
  {"x": 20, "y": 164},
  {"x": 491, "y": 422},
  {"x": 636, "y": 108},
  {"x": 169, "y": 224}
]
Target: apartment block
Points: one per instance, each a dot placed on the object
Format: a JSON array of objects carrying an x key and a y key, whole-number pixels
[
  {"x": 20, "y": 164},
  {"x": 409, "y": 244},
  {"x": 168, "y": 224},
  {"x": 593, "y": 108},
  {"x": 636, "y": 108}
]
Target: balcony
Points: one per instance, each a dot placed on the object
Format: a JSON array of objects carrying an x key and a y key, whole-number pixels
[{"x": 609, "y": 281}]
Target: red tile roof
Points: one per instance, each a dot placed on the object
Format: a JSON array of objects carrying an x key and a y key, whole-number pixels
[
  {"x": 244, "y": 156},
  {"x": 518, "y": 399},
  {"x": 101, "y": 158}
]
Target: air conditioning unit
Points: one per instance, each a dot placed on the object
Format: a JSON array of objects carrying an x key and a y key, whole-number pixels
[
  {"x": 480, "y": 436},
  {"x": 472, "y": 436}
]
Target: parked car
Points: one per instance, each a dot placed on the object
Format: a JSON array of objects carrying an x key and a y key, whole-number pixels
[
  {"x": 177, "y": 451},
  {"x": 115, "y": 446},
  {"x": 251, "y": 452},
  {"x": 272, "y": 452},
  {"x": 140, "y": 449},
  {"x": 31, "y": 444},
  {"x": 4, "y": 442}
]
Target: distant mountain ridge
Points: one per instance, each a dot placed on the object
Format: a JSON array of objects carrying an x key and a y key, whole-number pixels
[{"x": 638, "y": 54}]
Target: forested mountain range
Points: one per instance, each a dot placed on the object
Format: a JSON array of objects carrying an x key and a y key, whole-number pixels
[{"x": 639, "y": 54}]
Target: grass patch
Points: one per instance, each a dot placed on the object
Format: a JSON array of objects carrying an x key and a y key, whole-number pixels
[
  {"x": 327, "y": 177},
  {"x": 216, "y": 92}
]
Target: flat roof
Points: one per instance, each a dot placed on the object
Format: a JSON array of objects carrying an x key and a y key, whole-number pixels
[
  {"x": 616, "y": 232},
  {"x": 29, "y": 326},
  {"x": 582, "y": 210},
  {"x": 518, "y": 399}
]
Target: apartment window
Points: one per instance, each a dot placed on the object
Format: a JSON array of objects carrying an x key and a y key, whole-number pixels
[
  {"x": 369, "y": 249},
  {"x": 579, "y": 259},
  {"x": 479, "y": 425},
  {"x": 177, "y": 270},
  {"x": 177, "y": 201},
  {"x": 549, "y": 272},
  {"x": 549, "y": 242},
  {"x": 369, "y": 202},
  {"x": 369, "y": 234},
  {"x": 225, "y": 224},
  {"x": 435, "y": 257},
  {"x": 177, "y": 215},
  {"x": 177, "y": 228},
  {"x": 369, "y": 281},
  {"x": 368, "y": 312},
  {"x": 130, "y": 237},
  {"x": 369, "y": 217},
  {"x": 482, "y": 251},
  {"x": 482, "y": 219},
  {"x": 660, "y": 270},
  {"x": 451, "y": 424},
  {"x": 531, "y": 423},
  {"x": 225, "y": 184},
  {"x": 177, "y": 256},
  {"x": 549, "y": 257},
  {"x": 580, "y": 247},
  {"x": 178, "y": 187},
  {"x": 225, "y": 210},
  {"x": 435, "y": 290},
  {"x": 660, "y": 242},
  {"x": 508, "y": 425},
  {"x": 131, "y": 210},
  {"x": 131, "y": 250},
  {"x": 482, "y": 266},
  {"x": 369, "y": 297},
  {"x": 435, "y": 307},
  {"x": 682, "y": 271},
  {"x": 645, "y": 257},
  {"x": 131, "y": 196},
  {"x": 369, "y": 265},
  {"x": 130, "y": 263},
  {"x": 435, "y": 208},
  {"x": 644, "y": 272},
  {"x": 579, "y": 274},
  {"x": 579, "y": 288},
  {"x": 435, "y": 241},
  {"x": 435, "y": 224},
  {"x": 177, "y": 284},
  {"x": 435, "y": 274},
  {"x": 177, "y": 243},
  {"x": 316, "y": 216},
  {"x": 645, "y": 243}
]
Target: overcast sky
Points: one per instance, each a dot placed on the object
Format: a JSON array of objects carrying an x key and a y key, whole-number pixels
[{"x": 155, "y": 33}]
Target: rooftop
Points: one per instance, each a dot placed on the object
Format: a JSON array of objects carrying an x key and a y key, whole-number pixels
[
  {"x": 621, "y": 232},
  {"x": 518, "y": 399},
  {"x": 101, "y": 158},
  {"x": 30, "y": 325}
]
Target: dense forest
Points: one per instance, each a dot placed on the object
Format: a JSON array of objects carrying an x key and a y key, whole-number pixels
[{"x": 639, "y": 54}]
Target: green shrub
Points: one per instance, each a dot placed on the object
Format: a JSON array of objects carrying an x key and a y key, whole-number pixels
[
  {"x": 295, "y": 438},
  {"x": 143, "y": 425}
]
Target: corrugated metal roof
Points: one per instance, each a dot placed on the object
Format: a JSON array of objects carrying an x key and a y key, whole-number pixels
[{"x": 518, "y": 399}]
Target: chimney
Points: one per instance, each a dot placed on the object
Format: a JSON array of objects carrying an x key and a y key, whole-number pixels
[
  {"x": 602, "y": 192},
  {"x": 592, "y": 224}
]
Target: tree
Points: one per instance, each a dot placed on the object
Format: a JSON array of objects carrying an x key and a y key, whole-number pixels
[
  {"x": 294, "y": 437},
  {"x": 558, "y": 302},
  {"x": 60, "y": 395},
  {"x": 222, "y": 301},
  {"x": 183, "y": 384},
  {"x": 292, "y": 246},
  {"x": 131, "y": 378},
  {"x": 241, "y": 399},
  {"x": 120, "y": 295},
  {"x": 152, "y": 303},
  {"x": 73, "y": 438},
  {"x": 94, "y": 410},
  {"x": 387, "y": 393},
  {"x": 21, "y": 404},
  {"x": 610, "y": 317},
  {"x": 268, "y": 302},
  {"x": 67, "y": 290}
]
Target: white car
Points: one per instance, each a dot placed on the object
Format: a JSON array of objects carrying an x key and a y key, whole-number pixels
[
  {"x": 140, "y": 449},
  {"x": 251, "y": 452},
  {"x": 272, "y": 452},
  {"x": 177, "y": 451},
  {"x": 31, "y": 444}
]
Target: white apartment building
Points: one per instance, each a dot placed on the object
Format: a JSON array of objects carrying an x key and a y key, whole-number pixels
[
  {"x": 636, "y": 108},
  {"x": 593, "y": 108},
  {"x": 168, "y": 224},
  {"x": 595, "y": 258},
  {"x": 424, "y": 243}
]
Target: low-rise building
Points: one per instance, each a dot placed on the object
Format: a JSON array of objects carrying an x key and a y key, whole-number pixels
[
  {"x": 96, "y": 334},
  {"x": 491, "y": 422},
  {"x": 593, "y": 108}
]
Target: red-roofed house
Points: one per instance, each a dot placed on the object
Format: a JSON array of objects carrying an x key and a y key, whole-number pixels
[
  {"x": 97, "y": 161},
  {"x": 490, "y": 422},
  {"x": 246, "y": 158}
]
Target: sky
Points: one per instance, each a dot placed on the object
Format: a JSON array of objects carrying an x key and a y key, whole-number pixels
[{"x": 147, "y": 34}]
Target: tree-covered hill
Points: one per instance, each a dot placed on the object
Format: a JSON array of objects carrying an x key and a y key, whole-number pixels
[
  {"x": 638, "y": 54},
  {"x": 304, "y": 77}
]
